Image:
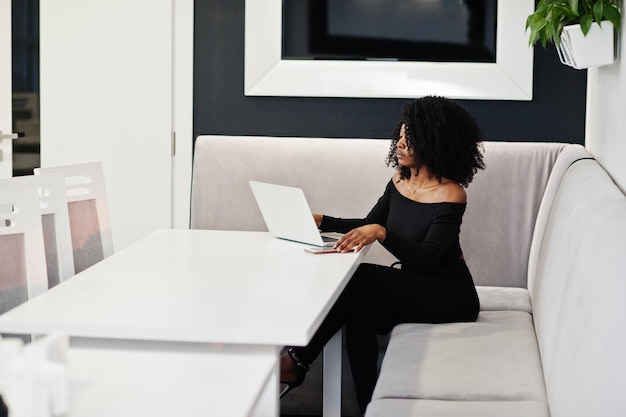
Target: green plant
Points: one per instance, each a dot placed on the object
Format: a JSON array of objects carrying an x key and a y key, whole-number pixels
[{"x": 550, "y": 16}]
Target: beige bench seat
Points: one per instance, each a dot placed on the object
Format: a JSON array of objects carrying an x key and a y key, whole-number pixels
[{"x": 544, "y": 235}]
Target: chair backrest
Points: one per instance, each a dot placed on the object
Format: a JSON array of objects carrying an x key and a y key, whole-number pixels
[
  {"x": 23, "y": 272},
  {"x": 90, "y": 227},
  {"x": 55, "y": 222}
]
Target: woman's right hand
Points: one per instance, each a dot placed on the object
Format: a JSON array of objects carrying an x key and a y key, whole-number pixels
[
  {"x": 318, "y": 219},
  {"x": 357, "y": 239}
]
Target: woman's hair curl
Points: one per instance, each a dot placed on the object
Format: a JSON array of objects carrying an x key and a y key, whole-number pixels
[{"x": 443, "y": 136}]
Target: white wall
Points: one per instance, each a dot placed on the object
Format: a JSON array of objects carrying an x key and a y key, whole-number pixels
[
  {"x": 182, "y": 111},
  {"x": 605, "y": 133}
]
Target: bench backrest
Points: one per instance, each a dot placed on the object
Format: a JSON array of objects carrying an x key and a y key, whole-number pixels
[
  {"x": 340, "y": 177},
  {"x": 345, "y": 177},
  {"x": 502, "y": 205},
  {"x": 578, "y": 293}
]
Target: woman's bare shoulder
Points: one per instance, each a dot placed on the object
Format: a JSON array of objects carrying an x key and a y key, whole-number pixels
[{"x": 451, "y": 192}]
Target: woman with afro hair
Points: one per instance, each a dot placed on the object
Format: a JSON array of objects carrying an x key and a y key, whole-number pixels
[{"x": 436, "y": 150}]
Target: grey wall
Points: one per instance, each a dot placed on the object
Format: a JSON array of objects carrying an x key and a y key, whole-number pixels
[{"x": 556, "y": 113}]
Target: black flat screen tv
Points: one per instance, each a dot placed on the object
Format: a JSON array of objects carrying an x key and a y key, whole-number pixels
[{"x": 399, "y": 30}]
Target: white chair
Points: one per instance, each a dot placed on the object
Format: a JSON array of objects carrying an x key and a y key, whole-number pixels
[
  {"x": 90, "y": 227},
  {"x": 23, "y": 273},
  {"x": 55, "y": 222}
]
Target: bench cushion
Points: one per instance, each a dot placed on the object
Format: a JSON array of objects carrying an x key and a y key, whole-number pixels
[
  {"x": 493, "y": 359},
  {"x": 433, "y": 408},
  {"x": 570, "y": 155},
  {"x": 504, "y": 299},
  {"x": 502, "y": 204},
  {"x": 578, "y": 295}
]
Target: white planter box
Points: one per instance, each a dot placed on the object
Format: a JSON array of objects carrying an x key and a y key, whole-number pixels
[{"x": 595, "y": 49}]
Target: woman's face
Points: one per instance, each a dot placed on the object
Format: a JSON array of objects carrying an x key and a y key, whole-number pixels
[{"x": 406, "y": 157}]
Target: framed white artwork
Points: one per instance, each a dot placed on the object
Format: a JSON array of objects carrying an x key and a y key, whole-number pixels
[{"x": 267, "y": 73}]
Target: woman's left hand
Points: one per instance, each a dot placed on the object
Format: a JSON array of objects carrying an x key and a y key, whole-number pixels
[{"x": 357, "y": 239}]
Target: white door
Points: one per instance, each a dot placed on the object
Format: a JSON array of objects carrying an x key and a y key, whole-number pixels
[
  {"x": 106, "y": 95},
  {"x": 6, "y": 104}
]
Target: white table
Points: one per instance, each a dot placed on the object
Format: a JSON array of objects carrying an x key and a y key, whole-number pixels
[
  {"x": 218, "y": 287},
  {"x": 117, "y": 382},
  {"x": 164, "y": 381}
]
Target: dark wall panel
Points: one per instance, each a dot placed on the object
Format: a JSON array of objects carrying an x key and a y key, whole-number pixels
[{"x": 556, "y": 113}]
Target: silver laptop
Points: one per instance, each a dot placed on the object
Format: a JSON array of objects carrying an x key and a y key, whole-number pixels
[{"x": 288, "y": 216}]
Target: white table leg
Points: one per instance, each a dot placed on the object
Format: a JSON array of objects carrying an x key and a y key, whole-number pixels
[{"x": 332, "y": 376}]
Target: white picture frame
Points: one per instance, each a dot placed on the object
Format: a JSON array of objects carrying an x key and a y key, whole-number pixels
[{"x": 267, "y": 74}]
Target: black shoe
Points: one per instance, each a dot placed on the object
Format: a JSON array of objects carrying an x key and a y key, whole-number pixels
[{"x": 302, "y": 368}]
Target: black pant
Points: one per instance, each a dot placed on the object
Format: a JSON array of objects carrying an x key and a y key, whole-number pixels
[{"x": 375, "y": 300}]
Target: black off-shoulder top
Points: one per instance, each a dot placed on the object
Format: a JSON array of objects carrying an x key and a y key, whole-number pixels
[{"x": 423, "y": 236}]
